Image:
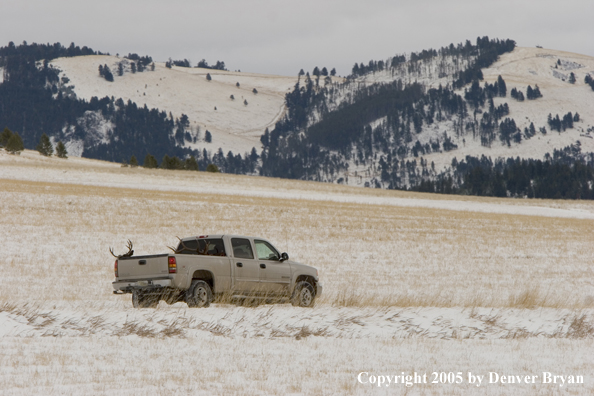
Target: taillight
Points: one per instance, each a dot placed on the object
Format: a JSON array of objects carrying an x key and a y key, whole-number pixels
[
  {"x": 172, "y": 265},
  {"x": 115, "y": 268}
]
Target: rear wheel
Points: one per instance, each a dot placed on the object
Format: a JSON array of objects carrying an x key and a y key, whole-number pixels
[
  {"x": 141, "y": 299},
  {"x": 304, "y": 295},
  {"x": 199, "y": 295}
]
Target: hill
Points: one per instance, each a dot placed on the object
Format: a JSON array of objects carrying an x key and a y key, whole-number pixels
[
  {"x": 421, "y": 121},
  {"x": 185, "y": 90}
]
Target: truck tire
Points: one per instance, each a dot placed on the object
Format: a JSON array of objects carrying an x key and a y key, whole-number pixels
[
  {"x": 144, "y": 300},
  {"x": 199, "y": 295},
  {"x": 304, "y": 295}
]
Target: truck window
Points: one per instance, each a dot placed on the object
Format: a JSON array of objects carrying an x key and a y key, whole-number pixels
[
  {"x": 242, "y": 248},
  {"x": 215, "y": 247},
  {"x": 266, "y": 251}
]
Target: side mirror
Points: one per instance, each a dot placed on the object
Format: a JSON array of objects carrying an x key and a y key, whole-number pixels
[{"x": 284, "y": 257}]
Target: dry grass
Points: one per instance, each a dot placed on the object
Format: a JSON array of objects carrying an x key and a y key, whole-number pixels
[{"x": 367, "y": 255}]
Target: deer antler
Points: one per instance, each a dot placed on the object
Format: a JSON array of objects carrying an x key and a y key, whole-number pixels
[
  {"x": 203, "y": 252},
  {"x": 183, "y": 247},
  {"x": 129, "y": 253}
]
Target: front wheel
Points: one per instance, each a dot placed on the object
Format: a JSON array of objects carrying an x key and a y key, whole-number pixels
[
  {"x": 199, "y": 295},
  {"x": 304, "y": 295}
]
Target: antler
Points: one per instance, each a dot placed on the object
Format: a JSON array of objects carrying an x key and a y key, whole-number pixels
[
  {"x": 129, "y": 253},
  {"x": 184, "y": 247}
]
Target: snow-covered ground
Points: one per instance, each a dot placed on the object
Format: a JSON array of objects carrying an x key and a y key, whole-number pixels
[{"x": 412, "y": 283}]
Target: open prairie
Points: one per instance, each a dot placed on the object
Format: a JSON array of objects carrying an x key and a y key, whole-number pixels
[{"x": 412, "y": 283}]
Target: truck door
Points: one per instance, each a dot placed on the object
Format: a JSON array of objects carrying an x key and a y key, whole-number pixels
[
  {"x": 246, "y": 267},
  {"x": 275, "y": 276}
]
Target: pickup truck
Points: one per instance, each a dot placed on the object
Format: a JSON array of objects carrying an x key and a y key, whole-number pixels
[{"x": 204, "y": 267}]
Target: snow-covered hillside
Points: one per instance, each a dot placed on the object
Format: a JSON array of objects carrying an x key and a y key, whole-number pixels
[
  {"x": 237, "y": 127},
  {"x": 535, "y": 66},
  {"x": 548, "y": 69},
  {"x": 234, "y": 125}
]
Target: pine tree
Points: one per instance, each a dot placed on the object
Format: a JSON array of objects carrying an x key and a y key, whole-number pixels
[
  {"x": 237, "y": 84},
  {"x": 333, "y": 72},
  {"x": 572, "y": 78},
  {"x": 45, "y": 146},
  {"x": 61, "y": 151},
  {"x": 501, "y": 87},
  {"x": 107, "y": 73},
  {"x": 191, "y": 163},
  {"x": 207, "y": 137},
  {"x": 255, "y": 91},
  {"x": 5, "y": 137},
  {"x": 245, "y": 102},
  {"x": 212, "y": 168},
  {"x": 15, "y": 144},
  {"x": 133, "y": 161},
  {"x": 150, "y": 162},
  {"x": 208, "y": 77}
]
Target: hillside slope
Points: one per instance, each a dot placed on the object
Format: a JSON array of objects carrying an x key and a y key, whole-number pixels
[
  {"x": 179, "y": 90},
  {"x": 404, "y": 120},
  {"x": 534, "y": 67}
]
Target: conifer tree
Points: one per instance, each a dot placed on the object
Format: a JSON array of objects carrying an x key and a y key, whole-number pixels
[
  {"x": 208, "y": 77},
  {"x": 212, "y": 168},
  {"x": 5, "y": 136},
  {"x": 191, "y": 163},
  {"x": 501, "y": 87},
  {"x": 61, "y": 151},
  {"x": 15, "y": 144},
  {"x": 133, "y": 161},
  {"x": 150, "y": 162},
  {"x": 45, "y": 146}
]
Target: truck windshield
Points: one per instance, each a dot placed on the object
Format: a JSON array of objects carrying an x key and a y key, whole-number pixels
[{"x": 210, "y": 247}]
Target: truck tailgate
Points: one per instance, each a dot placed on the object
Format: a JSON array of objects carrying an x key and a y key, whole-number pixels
[{"x": 143, "y": 267}]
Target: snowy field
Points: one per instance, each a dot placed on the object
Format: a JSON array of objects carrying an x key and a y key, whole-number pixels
[{"x": 412, "y": 283}]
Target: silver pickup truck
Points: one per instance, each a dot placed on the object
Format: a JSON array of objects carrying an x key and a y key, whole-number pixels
[{"x": 204, "y": 267}]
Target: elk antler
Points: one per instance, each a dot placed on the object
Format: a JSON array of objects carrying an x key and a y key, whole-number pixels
[{"x": 129, "y": 253}]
